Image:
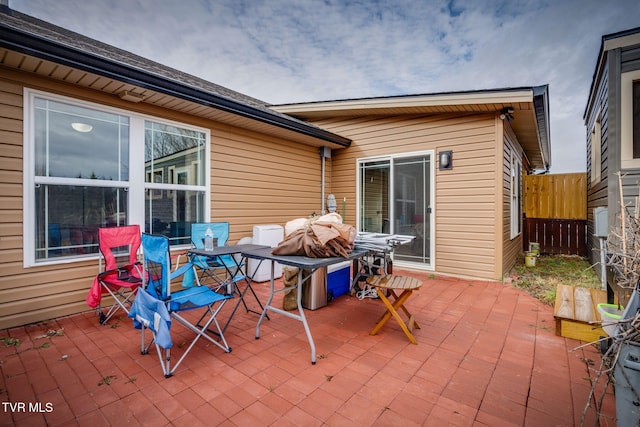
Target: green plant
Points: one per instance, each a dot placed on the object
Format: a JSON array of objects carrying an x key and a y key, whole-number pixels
[
  {"x": 107, "y": 380},
  {"x": 8, "y": 341}
]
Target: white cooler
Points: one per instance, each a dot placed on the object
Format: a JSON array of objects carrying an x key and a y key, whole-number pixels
[{"x": 268, "y": 235}]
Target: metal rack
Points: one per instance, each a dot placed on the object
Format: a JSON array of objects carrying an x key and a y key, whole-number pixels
[{"x": 378, "y": 261}]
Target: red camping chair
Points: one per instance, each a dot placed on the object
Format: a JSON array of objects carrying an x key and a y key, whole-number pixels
[{"x": 122, "y": 273}]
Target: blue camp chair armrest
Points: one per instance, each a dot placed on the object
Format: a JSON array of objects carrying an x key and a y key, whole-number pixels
[{"x": 181, "y": 270}]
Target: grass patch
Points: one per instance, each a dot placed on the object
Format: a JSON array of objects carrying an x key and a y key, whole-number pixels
[
  {"x": 550, "y": 271},
  {"x": 8, "y": 342}
]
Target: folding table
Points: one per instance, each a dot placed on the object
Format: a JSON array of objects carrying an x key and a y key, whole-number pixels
[
  {"x": 303, "y": 263},
  {"x": 219, "y": 251}
]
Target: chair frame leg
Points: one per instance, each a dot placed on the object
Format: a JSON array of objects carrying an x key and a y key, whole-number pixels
[
  {"x": 144, "y": 349},
  {"x": 120, "y": 297},
  {"x": 201, "y": 332},
  {"x": 392, "y": 310}
]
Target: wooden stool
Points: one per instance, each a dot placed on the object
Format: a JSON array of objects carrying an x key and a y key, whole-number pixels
[{"x": 391, "y": 284}]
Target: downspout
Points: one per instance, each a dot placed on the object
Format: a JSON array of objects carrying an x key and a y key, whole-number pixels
[
  {"x": 322, "y": 212},
  {"x": 325, "y": 152}
]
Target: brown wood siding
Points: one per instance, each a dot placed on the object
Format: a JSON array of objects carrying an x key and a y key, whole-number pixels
[
  {"x": 255, "y": 179},
  {"x": 465, "y": 200}
]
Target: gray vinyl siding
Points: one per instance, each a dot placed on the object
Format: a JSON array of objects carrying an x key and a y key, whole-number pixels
[
  {"x": 597, "y": 192},
  {"x": 606, "y": 97},
  {"x": 620, "y": 60},
  {"x": 629, "y": 59}
]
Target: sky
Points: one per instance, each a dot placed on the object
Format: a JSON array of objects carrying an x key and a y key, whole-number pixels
[{"x": 290, "y": 51}]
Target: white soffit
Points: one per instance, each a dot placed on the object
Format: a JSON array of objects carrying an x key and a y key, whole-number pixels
[{"x": 617, "y": 42}]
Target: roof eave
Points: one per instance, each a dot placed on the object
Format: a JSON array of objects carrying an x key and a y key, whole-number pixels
[
  {"x": 537, "y": 96},
  {"x": 609, "y": 42},
  {"x": 505, "y": 96},
  {"x": 541, "y": 106}
]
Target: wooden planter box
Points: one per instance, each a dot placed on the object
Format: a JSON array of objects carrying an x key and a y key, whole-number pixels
[{"x": 576, "y": 313}]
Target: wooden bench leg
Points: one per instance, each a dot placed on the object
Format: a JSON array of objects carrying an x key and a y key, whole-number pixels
[{"x": 392, "y": 311}]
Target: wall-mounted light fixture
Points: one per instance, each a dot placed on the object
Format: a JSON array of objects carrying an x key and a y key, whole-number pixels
[
  {"x": 126, "y": 95},
  {"x": 445, "y": 160},
  {"x": 507, "y": 113}
]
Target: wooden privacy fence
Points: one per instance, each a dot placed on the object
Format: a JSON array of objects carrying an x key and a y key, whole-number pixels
[
  {"x": 557, "y": 236},
  {"x": 561, "y": 196},
  {"x": 555, "y": 211}
]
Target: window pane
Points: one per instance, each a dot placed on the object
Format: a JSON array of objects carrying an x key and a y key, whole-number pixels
[
  {"x": 636, "y": 119},
  {"x": 411, "y": 197},
  {"x": 374, "y": 198},
  {"x": 171, "y": 212},
  {"x": 68, "y": 218},
  {"x": 77, "y": 142},
  {"x": 174, "y": 155},
  {"x": 516, "y": 196}
]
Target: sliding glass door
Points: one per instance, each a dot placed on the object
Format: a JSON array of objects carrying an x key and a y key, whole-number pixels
[
  {"x": 395, "y": 197},
  {"x": 411, "y": 196}
]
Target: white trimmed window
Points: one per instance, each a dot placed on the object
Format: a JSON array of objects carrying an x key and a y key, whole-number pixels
[
  {"x": 88, "y": 166},
  {"x": 630, "y": 120},
  {"x": 516, "y": 195}
]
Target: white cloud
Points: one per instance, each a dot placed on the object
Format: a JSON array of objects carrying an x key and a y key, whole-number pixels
[{"x": 295, "y": 51}]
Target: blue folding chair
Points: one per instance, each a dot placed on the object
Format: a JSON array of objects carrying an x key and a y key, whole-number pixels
[
  {"x": 151, "y": 313},
  {"x": 223, "y": 269},
  {"x": 158, "y": 278}
]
